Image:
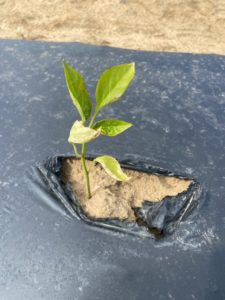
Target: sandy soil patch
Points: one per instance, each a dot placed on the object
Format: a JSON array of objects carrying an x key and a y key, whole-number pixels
[
  {"x": 113, "y": 199},
  {"x": 177, "y": 25}
]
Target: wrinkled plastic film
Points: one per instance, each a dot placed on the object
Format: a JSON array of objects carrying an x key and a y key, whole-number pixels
[
  {"x": 153, "y": 218},
  {"x": 176, "y": 104}
]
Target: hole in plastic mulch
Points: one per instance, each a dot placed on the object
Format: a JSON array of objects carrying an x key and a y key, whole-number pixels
[{"x": 154, "y": 219}]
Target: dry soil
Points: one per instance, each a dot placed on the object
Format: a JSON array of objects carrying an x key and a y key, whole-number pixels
[
  {"x": 160, "y": 25},
  {"x": 113, "y": 199}
]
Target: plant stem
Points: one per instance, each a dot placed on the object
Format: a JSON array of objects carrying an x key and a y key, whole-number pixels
[
  {"x": 83, "y": 161},
  {"x": 76, "y": 151},
  {"x": 85, "y": 170},
  {"x": 93, "y": 118}
]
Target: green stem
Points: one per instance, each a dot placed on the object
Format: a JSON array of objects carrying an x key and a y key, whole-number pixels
[
  {"x": 85, "y": 170},
  {"x": 76, "y": 151},
  {"x": 93, "y": 118},
  {"x": 83, "y": 161}
]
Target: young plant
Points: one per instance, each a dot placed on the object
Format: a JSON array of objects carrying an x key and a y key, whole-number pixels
[{"x": 110, "y": 87}]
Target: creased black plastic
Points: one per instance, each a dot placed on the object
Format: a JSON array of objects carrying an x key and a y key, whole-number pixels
[
  {"x": 177, "y": 105},
  {"x": 154, "y": 218}
]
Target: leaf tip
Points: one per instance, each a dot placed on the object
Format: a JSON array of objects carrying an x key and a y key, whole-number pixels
[
  {"x": 62, "y": 61},
  {"x": 112, "y": 167},
  {"x": 132, "y": 64}
]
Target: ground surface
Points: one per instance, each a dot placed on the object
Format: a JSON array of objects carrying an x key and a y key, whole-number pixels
[
  {"x": 178, "y": 25},
  {"x": 113, "y": 199}
]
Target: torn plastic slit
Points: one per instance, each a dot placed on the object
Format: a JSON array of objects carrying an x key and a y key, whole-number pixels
[
  {"x": 152, "y": 219},
  {"x": 157, "y": 233}
]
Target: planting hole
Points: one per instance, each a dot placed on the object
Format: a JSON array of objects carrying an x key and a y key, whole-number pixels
[
  {"x": 152, "y": 202},
  {"x": 117, "y": 200}
]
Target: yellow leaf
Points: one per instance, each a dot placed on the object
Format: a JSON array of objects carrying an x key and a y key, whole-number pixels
[{"x": 79, "y": 134}]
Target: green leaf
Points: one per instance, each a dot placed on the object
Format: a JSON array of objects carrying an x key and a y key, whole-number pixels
[
  {"x": 78, "y": 91},
  {"x": 113, "y": 83},
  {"x": 112, "y": 167},
  {"x": 79, "y": 134},
  {"x": 112, "y": 127}
]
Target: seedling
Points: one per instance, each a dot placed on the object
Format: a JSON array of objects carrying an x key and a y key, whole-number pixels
[{"x": 110, "y": 87}]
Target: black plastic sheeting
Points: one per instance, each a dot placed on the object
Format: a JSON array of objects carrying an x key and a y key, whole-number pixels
[
  {"x": 177, "y": 106},
  {"x": 153, "y": 218}
]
